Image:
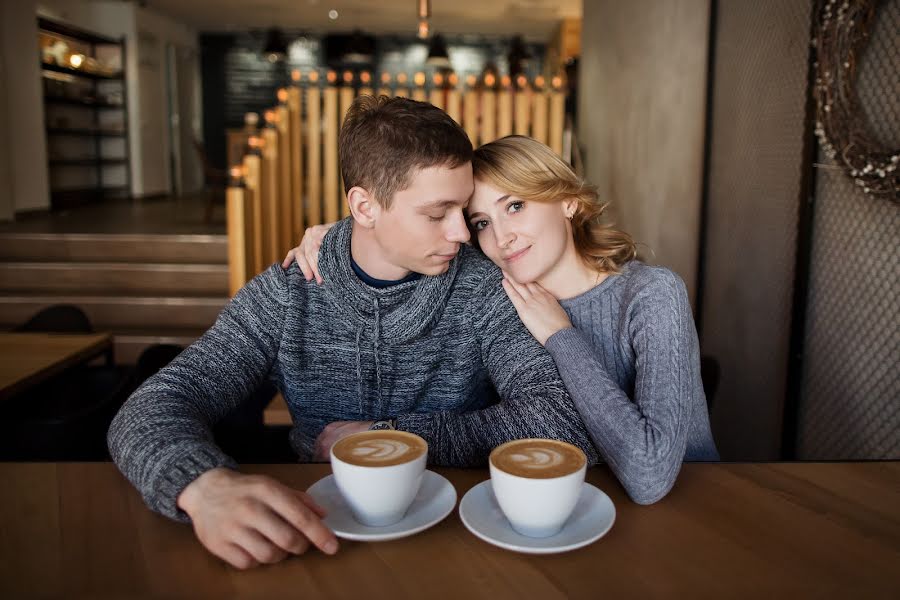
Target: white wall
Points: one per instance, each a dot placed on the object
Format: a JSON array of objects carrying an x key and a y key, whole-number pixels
[
  {"x": 23, "y": 176},
  {"x": 641, "y": 120},
  {"x": 7, "y": 208}
]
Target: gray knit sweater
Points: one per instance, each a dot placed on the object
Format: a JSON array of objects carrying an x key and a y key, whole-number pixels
[
  {"x": 632, "y": 366},
  {"x": 420, "y": 351}
]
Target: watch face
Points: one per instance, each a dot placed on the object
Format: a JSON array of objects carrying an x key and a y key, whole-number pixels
[{"x": 380, "y": 425}]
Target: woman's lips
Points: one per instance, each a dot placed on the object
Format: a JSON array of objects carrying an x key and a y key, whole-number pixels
[{"x": 516, "y": 255}]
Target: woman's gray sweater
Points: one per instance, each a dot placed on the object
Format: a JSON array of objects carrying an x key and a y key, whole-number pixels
[{"x": 632, "y": 366}]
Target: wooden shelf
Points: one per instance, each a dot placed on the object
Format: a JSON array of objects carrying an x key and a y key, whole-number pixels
[
  {"x": 80, "y": 73},
  {"x": 75, "y": 33},
  {"x": 84, "y": 132},
  {"x": 83, "y": 103},
  {"x": 90, "y": 94},
  {"x": 86, "y": 162}
]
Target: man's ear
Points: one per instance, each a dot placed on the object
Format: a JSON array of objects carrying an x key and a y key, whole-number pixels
[{"x": 363, "y": 207}]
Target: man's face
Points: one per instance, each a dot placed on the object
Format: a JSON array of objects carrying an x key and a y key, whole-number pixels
[{"x": 425, "y": 226}]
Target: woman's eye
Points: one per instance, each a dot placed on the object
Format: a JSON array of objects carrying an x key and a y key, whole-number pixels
[
  {"x": 479, "y": 225},
  {"x": 515, "y": 206},
  {"x": 435, "y": 219}
]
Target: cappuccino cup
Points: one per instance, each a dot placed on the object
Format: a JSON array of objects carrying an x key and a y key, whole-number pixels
[
  {"x": 537, "y": 483},
  {"x": 379, "y": 473}
]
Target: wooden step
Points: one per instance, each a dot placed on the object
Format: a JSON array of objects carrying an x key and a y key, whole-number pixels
[
  {"x": 114, "y": 278},
  {"x": 120, "y": 312},
  {"x": 103, "y": 247},
  {"x": 128, "y": 346}
]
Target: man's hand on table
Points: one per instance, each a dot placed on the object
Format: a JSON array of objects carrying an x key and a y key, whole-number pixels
[
  {"x": 248, "y": 520},
  {"x": 332, "y": 433}
]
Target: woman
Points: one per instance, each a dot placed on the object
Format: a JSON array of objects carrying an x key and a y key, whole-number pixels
[{"x": 621, "y": 332}]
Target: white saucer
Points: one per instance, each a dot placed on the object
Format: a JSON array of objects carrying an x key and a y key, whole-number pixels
[
  {"x": 593, "y": 516},
  {"x": 435, "y": 500}
]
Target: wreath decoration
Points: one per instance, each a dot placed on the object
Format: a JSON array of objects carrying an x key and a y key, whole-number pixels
[{"x": 842, "y": 36}]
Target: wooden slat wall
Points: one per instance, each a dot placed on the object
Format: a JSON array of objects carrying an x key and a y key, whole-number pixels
[{"x": 290, "y": 177}]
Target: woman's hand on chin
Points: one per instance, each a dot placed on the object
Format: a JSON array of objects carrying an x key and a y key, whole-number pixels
[{"x": 538, "y": 309}]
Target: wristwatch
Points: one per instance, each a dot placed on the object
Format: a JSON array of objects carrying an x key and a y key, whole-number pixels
[{"x": 383, "y": 424}]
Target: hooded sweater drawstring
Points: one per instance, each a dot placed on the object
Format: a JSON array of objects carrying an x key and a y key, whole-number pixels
[
  {"x": 359, "y": 383},
  {"x": 359, "y": 375},
  {"x": 377, "y": 357}
]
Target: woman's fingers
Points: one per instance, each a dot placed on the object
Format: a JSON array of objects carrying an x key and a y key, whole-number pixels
[
  {"x": 290, "y": 257},
  {"x": 514, "y": 296},
  {"x": 521, "y": 289}
]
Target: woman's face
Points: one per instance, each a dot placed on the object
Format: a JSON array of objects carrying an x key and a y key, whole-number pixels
[{"x": 525, "y": 239}]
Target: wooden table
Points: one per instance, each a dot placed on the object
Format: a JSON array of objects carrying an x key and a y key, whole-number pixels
[
  {"x": 29, "y": 358},
  {"x": 727, "y": 530}
]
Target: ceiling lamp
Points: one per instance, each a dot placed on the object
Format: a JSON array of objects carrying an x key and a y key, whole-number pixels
[
  {"x": 437, "y": 52},
  {"x": 360, "y": 49},
  {"x": 518, "y": 57},
  {"x": 423, "y": 10},
  {"x": 275, "y": 48}
]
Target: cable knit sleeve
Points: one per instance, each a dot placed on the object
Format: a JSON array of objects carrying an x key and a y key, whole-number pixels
[
  {"x": 162, "y": 439},
  {"x": 534, "y": 401},
  {"x": 643, "y": 441}
]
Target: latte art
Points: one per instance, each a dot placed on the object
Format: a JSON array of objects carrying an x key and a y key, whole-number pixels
[
  {"x": 380, "y": 448},
  {"x": 536, "y": 458}
]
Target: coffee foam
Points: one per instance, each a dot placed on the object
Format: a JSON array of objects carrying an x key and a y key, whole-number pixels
[
  {"x": 380, "y": 448},
  {"x": 541, "y": 459}
]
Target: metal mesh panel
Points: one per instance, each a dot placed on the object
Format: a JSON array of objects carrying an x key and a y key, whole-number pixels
[
  {"x": 851, "y": 379},
  {"x": 759, "y": 95}
]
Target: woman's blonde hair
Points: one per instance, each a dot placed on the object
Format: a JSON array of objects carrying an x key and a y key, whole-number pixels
[{"x": 526, "y": 168}]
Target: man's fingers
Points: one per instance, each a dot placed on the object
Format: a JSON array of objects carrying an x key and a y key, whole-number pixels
[
  {"x": 235, "y": 556},
  {"x": 295, "y": 512},
  {"x": 261, "y": 548},
  {"x": 282, "y": 534},
  {"x": 315, "y": 506}
]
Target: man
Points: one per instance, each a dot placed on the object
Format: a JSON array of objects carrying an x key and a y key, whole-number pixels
[{"x": 409, "y": 327}]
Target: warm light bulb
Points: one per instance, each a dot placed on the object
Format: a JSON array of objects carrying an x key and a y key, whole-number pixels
[
  {"x": 76, "y": 60},
  {"x": 295, "y": 75},
  {"x": 419, "y": 79},
  {"x": 331, "y": 76},
  {"x": 313, "y": 76},
  {"x": 490, "y": 80},
  {"x": 282, "y": 95},
  {"x": 348, "y": 76}
]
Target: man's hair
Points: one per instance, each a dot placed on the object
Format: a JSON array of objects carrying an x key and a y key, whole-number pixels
[{"x": 383, "y": 141}]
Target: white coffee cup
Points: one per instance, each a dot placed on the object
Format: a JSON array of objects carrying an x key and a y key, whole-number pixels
[
  {"x": 379, "y": 473},
  {"x": 537, "y": 483}
]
